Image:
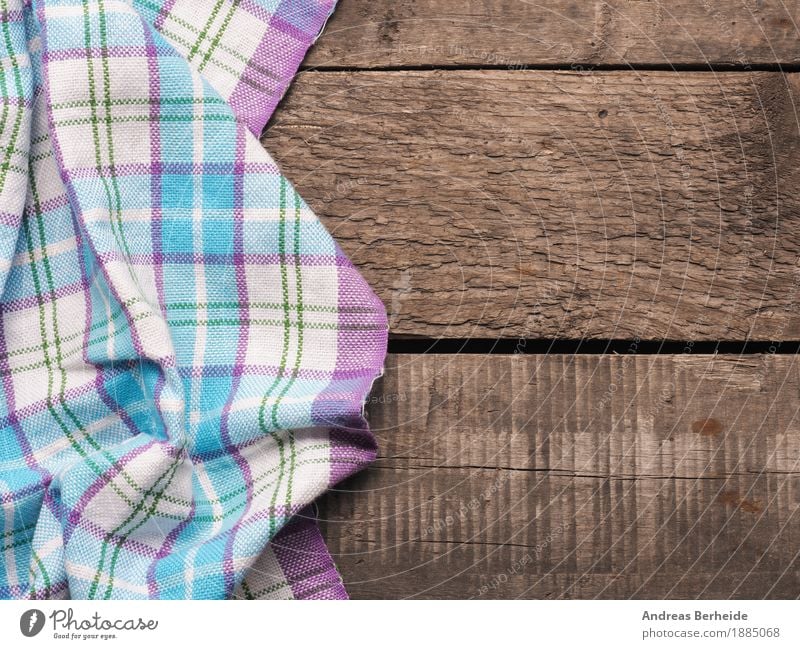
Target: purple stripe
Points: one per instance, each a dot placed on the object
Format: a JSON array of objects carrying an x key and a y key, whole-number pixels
[
  {"x": 17, "y": 101},
  {"x": 305, "y": 560},
  {"x": 352, "y": 443},
  {"x": 163, "y": 12},
  {"x": 13, "y": 417},
  {"x": 49, "y": 205},
  {"x": 279, "y": 24},
  {"x": 29, "y": 490},
  {"x": 11, "y": 16},
  {"x": 222, "y": 259},
  {"x": 241, "y": 353},
  {"x": 166, "y": 549},
  {"x": 274, "y": 64},
  {"x": 43, "y": 298},
  {"x": 158, "y": 272},
  {"x": 194, "y": 168},
  {"x": 23, "y": 592},
  {"x": 9, "y": 219},
  {"x": 219, "y": 371},
  {"x": 112, "y": 51},
  {"x": 41, "y": 405},
  {"x": 154, "y": 87},
  {"x": 258, "y": 11},
  {"x": 351, "y": 451}
]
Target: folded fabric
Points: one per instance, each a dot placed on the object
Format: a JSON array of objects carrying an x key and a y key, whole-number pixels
[{"x": 184, "y": 349}]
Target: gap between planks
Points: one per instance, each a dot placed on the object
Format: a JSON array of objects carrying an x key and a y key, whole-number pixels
[
  {"x": 384, "y": 33},
  {"x": 558, "y": 205},
  {"x": 576, "y": 476}
]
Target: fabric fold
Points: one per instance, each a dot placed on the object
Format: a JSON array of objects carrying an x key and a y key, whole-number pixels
[{"x": 185, "y": 351}]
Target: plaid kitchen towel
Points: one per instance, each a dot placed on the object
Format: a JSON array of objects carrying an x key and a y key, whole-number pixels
[{"x": 184, "y": 349}]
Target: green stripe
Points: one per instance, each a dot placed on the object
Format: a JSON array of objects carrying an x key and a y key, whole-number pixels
[
  {"x": 12, "y": 145},
  {"x": 151, "y": 510},
  {"x": 45, "y": 576},
  {"x": 69, "y": 353},
  {"x": 37, "y": 212},
  {"x": 98, "y": 325},
  {"x": 193, "y": 29},
  {"x": 175, "y": 38},
  {"x": 204, "y": 31},
  {"x": 246, "y": 590},
  {"x": 225, "y": 23},
  {"x": 282, "y": 367},
  {"x": 252, "y": 305},
  {"x": 134, "y": 101},
  {"x": 170, "y": 472},
  {"x": 115, "y": 201},
  {"x": 18, "y": 530},
  {"x": 43, "y": 332},
  {"x": 117, "y": 209},
  {"x": 227, "y": 322},
  {"x": 298, "y": 355},
  {"x": 58, "y": 356},
  {"x": 269, "y": 589},
  {"x": 122, "y": 119}
]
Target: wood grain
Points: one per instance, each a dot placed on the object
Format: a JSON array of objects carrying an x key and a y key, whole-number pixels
[
  {"x": 549, "y": 204},
  {"x": 623, "y": 476},
  {"x": 370, "y": 33}
]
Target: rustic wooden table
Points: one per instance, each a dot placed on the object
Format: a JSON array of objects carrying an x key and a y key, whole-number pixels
[{"x": 541, "y": 173}]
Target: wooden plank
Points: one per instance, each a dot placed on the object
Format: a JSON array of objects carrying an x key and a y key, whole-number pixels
[
  {"x": 576, "y": 476},
  {"x": 369, "y": 33},
  {"x": 557, "y": 204}
]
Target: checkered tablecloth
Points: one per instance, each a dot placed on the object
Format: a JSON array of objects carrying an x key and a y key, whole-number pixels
[{"x": 185, "y": 350}]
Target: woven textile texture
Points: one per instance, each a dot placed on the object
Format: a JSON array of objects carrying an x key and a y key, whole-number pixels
[{"x": 184, "y": 349}]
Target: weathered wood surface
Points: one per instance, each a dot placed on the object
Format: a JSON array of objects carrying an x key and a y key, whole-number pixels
[
  {"x": 369, "y": 33},
  {"x": 515, "y": 201},
  {"x": 577, "y": 476},
  {"x": 558, "y": 204}
]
